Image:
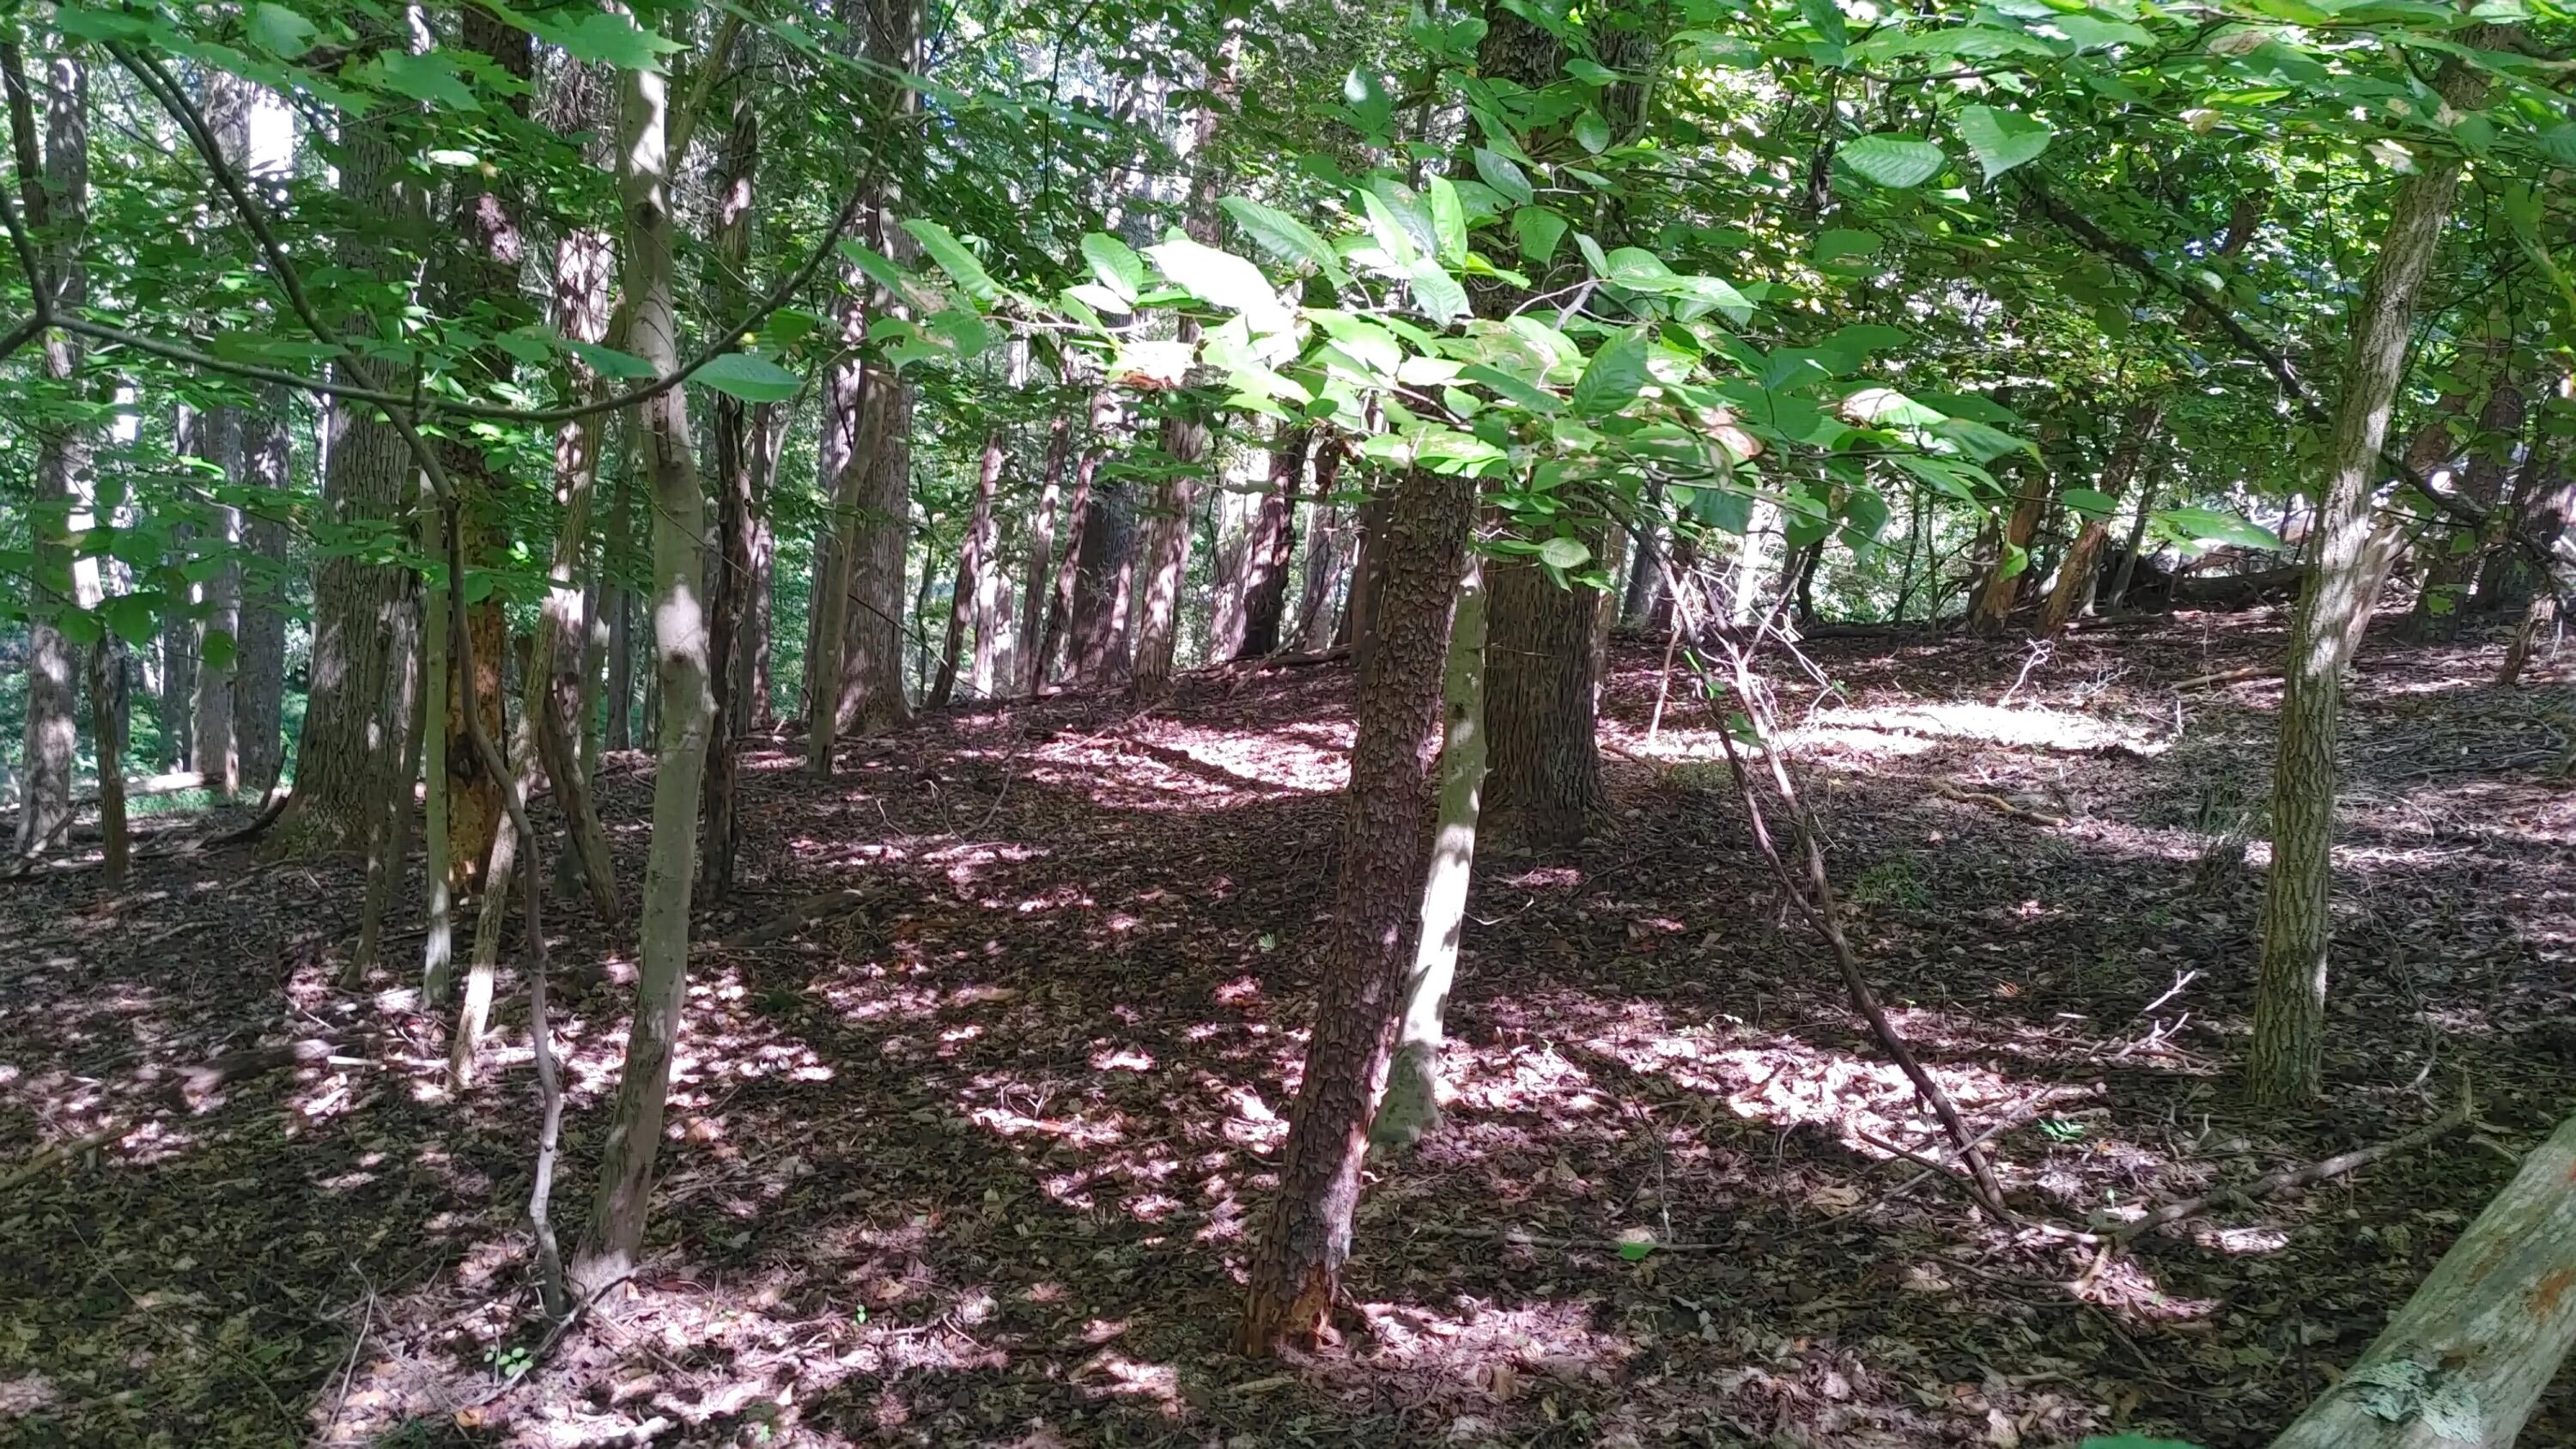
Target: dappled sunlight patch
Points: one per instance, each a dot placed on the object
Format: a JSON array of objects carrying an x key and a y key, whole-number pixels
[{"x": 1474, "y": 1353}]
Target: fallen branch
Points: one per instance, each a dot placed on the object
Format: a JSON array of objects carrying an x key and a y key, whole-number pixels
[
  {"x": 2230, "y": 676},
  {"x": 1948, "y": 791},
  {"x": 197, "y": 1083},
  {"x": 796, "y": 918},
  {"x": 1516, "y": 1238},
  {"x": 46, "y": 1157},
  {"x": 2458, "y": 1116}
]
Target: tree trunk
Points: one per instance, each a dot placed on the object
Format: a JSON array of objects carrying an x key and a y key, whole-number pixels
[
  {"x": 1993, "y": 606},
  {"x": 1357, "y": 627},
  {"x": 754, "y": 708},
  {"x": 1326, "y": 523},
  {"x": 614, "y": 554},
  {"x": 1410, "y": 1109},
  {"x": 2075, "y": 573},
  {"x": 215, "y": 748},
  {"x": 1103, "y": 574},
  {"x": 2137, "y": 538},
  {"x": 259, "y": 693},
  {"x": 735, "y": 506},
  {"x": 56, "y": 207},
  {"x": 974, "y": 562},
  {"x": 1035, "y": 631},
  {"x": 2441, "y": 605},
  {"x": 1266, "y": 553},
  {"x": 438, "y": 949},
  {"x": 1542, "y": 673},
  {"x": 2286, "y": 1063},
  {"x": 2461, "y": 1365},
  {"x": 1068, "y": 575},
  {"x": 557, "y": 670},
  {"x": 1385, "y": 847},
  {"x": 615, "y": 1230},
  {"x": 1167, "y": 552}
]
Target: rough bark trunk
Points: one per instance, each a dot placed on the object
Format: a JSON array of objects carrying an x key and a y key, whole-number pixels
[
  {"x": 615, "y": 1230},
  {"x": 1385, "y": 845},
  {"x": 1545, "y": 788},
  {"x": 557, "y": 660},
  {"x": 2464, "y": 1360},
  {"x": 438, "y": 946},
  {"x": 1035, "y": 635},
  {"x": 614, "y": 555},
  {"x": 56, "y": 206},
  {"x": 1266, "y": 553},
  {"x": 1167, "y": 554},
  {"x": 2137, "y": 536},
  {"x": 1993, "y": 606},
  {"x": 2075, "y": 573},
  {"x": 974, "y": 563},
  {"x": 215, "y": 748},
  {"x": 1103, "y": 572},
  {"x": 1410, "y": 1108},
  {"x": 753, "y": 666},
  {"x": 735, "y": 506},
  {"x": 1359, "y": 603},
  {"x": 1326, "y": 525},
  {"x": 1068, "y": 574},
  {"x": 2286, "y": 1062}
]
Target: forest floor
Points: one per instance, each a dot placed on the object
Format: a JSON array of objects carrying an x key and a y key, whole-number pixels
[{"x": 972, "y": 1159}]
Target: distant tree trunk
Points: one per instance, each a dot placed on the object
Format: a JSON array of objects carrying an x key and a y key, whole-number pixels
[
  {"x": 1035, "y": 634},
  {"x": 56, "y": 206},
  {"x": 1410, "y": 1108},
  {"x": 620, "y": 547},
  {"x": 736, "y": 508},
  {"x": 259, "y": 698},
  {"x": 1645, "y": 579},
  {"x": 1166, "y": 553},
  {"x": 1325, "y": 526},
  {"x": 1358, "y": 627},
  {"x": 1385, "y": 848},
  {"x": 2137, "y": 539},
  {"x": 2551, "y": 509},
  {"x": 872, "y": 698},
  {"x": 2286, "y": 1063},
  {"x": 107, "y": 732},
  {"x": 2075, "y": 572},
  {"x": 1267, "y": 550},
  {"x": 2505, "y": 578},
  {"x": 216, "y": 749},
  {"x": 1068, "y": 574},
  {"x": 616, "y": 1227},
  {"x": 2441, "y": 605},
  {"x": 1103, "y": 574},
  {"x": 1992, "y": 608},
  {"x": 974, "y": 560},
  {"x": 438, "y": 948},
  {"x": 553, "y": 686},
  {"x": 1541, "y": 678},
  {"x": 2481, "y": 1339},
  {"x": 755, "y": 710}
]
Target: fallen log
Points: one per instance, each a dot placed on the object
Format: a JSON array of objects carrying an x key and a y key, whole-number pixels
[
  {"x": 795, "y": 918},
  {"x": 2464, "y": 1360}
]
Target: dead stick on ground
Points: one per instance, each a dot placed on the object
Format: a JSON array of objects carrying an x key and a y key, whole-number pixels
[
  {"x": 47, "y": 1156},
  {"x": 2460, "y": 1115}
]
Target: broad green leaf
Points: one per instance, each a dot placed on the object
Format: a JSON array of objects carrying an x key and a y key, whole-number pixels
[
  {"x": 1504, "y": 175},
  {"x": 1285, "y": 237},
  {"x": 2212, "y": 528},
  {"x": 215, "y": 649},
  {"x": 2002, "y": 139},
  {"x": 1448, "y": 221},
  {"x": 1539, "y": 232},
  {"x": 1221, "y": 279},
  {"x": 2091, "y": 32},
  {"x": 748, "y": 377},
  {"x": 1393, "y": 237},
  {"x": 280, "y": 31},
  {"x": 1591, "y": 132},
  {"x": 954, "y": 259},
  {"x": 1612, "y": 379},
  {"x": 430, "y": 77},
  {"x": 1570, "y": 553},
  {"x": 1898, "y": 161},
  {"x": 1827, "y": 17},
  {"x": 1511, "y": 389},
  {"x": 1408, "y": 212},
  {"x": 2092, "y": 503},
  {"x": 608, "y": 361},
  {"x": 1592, "y": 254},
  {"x": 1845, "y": 245},
  {"x": 610, "y": 38},
  {"x": 132, "y": 617},
  {"x": 1116, "y": 265},
  {"x": 1364, "y": 93},
  {"x": 1438, "y": 294}
]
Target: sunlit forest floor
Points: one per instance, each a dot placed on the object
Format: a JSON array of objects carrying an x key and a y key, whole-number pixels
[{"x": 971, "y": 1158}]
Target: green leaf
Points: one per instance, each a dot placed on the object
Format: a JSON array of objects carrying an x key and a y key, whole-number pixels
[
  {"x": 1221, "y": 279},
  {"x": 1516, "y": 391},
  {"x": 132, "y": 617},
  {"x": 1827, "y": 17},
  {"x": 1115, "y": 263},
  {"x": 610, "y": 38},
  {"x": 280, "y": 31},
  {"x": 2094, "y": 33},
  {"x": 1448, "y": 221},
  {"x": 1285, "y": 237},
  {"x": 2212, "y": 527},
  {"x": 1898, "y": 161},
  {"x": 1539, "y": 232},
  {"x": 2092, "y": 503},
  {"x": 1393, "y": 237},
  {"x": 1634, "y": 1250},
  {"x": 1845, "y": 245},
  {"x": 608, "y": 361},
  {"x": 2002, "y": 139},
  {"x": 216, "y": 649},
  {"x": 429, "y": 77},
  {"x": 1570, "y": 553},
  {"x": 1438, "y": 294},
  {"x": 954, "y": 259},
  {"x": 1504, "y": 175},
  {"x": 1364, "y": 92},
  {"x": 1611, "y": 380},
  {"x": 748, "y": 377},
  {"x": 1591, "y": 132}
]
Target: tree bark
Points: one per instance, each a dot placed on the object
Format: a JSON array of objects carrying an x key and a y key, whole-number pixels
[
  {"x": 1035, "y": 635},
  {"x": 1267, "y": 550},
  {"x": 1993, "y": 606},
  {"x": 1542, "y": 673},
  {"x": 438, "y": 946},
  {"x": 555, "y": 681},
  {"x": 2075, "y": 573},
  {"x": 1385, "y": 846},
  {"x": 615, "y": 1230},
  {"x": 2463, "y": 1362},
  {"x": 1104, "y": 571},
  {"x": 2441, "y": 604},
  {"x": 2137, "y": 537},
  {"x": 56, "y": 206},
  {"x": 735, "y": 505},
  {"x": 1410, "y": 1108},
  {"x": 974, "y": 563},
  {"x": 2286, "y": 1063}
]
